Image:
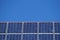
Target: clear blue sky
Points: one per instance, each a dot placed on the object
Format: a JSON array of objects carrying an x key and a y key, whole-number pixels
[{"x": 29, "y": 10}]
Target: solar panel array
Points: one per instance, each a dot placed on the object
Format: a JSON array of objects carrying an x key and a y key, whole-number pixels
[{"x": 29, "y": 30}]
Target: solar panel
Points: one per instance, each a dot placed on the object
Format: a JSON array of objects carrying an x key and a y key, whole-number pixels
[
  {"x": 29, "y": 37},
  {"x": 29, "y": 30},
  {"x": 2, "y": 27},
  {"x": 57, "y": 36},
  {"x": 2, "y": 37},
  {"x": 14, "y": 27},
  {"x": 45, "y": 37},
  {"x": 45, "y": 27},
  {"x": 14, "y": 37},
  {"x": 57, "y": 27}
]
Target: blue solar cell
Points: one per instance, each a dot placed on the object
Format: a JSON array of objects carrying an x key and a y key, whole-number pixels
[
  {"x": 45, "y": 37},
  {"x": 29, "y": 37},
  {"x": 45, "y": 27},
  {"x": 2, "y": 27},
  {"x": 2, "y": 37},
  {"x": 57, "y": 37},
  {"x": 57, "y": 27},
  {"x": 14, "y": 27},
  {"x": 14, "y": 37},
  {"x": 30, "y": 27}
]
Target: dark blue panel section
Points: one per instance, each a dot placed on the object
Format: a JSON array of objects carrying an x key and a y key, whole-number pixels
[
  {"x": 30, "y": 27},
  {"x": 45, "y": 27},
  {"x": 57, "y": 27},
  {"x": 45, "y": 37},
  {"x": 2, "y": 37},
  {"x": 14, "y": 27},
  {"x": 57, "y": 37},
  {"x": 29, "y": 37},
  {"x": 14, "y": 37},
  {"x": 2, "y": 27}
]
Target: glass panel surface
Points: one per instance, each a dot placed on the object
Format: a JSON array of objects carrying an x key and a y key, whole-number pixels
[
  {"x": 57, "y": 37},
  {"x": 14, "y": 37},
  {"x": 30, "y": 28},
  {"x": 45, "y": 27},
  {"x": 45, "y": 37},
  {"x": 2, "y": 37},
  {"x": 57, "y": 27},
  {"x": 29, "y": 37},
  {"x": 14, "y": 27},
  {"x": 3, "y": 27}
]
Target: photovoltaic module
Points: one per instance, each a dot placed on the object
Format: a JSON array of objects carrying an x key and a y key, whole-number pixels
[{"x": 29, "y": 30}]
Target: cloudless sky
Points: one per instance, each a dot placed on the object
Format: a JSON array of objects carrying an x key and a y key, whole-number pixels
[{"x": 29, "y": 10}]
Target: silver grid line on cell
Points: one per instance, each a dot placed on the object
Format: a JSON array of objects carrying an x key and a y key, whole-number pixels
[
  {"x": 53, "y": 31},
  {"x": 37, "y": 30},
  {"x": 26, "y": 33},
  {"x": 6, "y": 31},
  {"x": 22, "y": 30}
]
